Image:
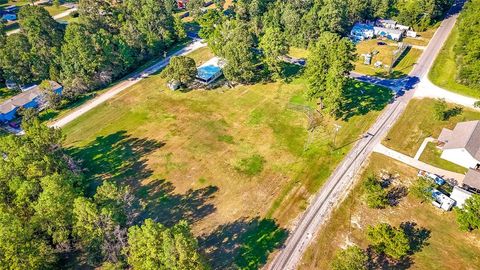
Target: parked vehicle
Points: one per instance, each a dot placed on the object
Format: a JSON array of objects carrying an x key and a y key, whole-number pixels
[{"x": 435, "y": 178}]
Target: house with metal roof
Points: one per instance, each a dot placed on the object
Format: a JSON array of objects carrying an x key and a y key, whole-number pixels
[
  {"x": 393, "y": 34},
  {"x": 31, "y": 98},
  {"x": 210, "y": 70},
  {"x": 462, "y": 144},
  {"x": 361, "y": 31}
]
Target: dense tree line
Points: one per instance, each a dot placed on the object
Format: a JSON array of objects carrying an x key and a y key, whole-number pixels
[
  {"x": 45, "y": 213},
  {"x": 467, "y": 48},
  {"x": 254, "y": 35},
  {"x": 111, "y": 38}
]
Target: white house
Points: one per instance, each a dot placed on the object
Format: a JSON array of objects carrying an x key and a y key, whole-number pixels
[{"x": 462, "y": 144}]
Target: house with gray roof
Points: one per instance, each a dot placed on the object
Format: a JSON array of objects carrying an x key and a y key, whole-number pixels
[
  {"x": 31, "y": 98},
  {"x": 462, "y": 144}
]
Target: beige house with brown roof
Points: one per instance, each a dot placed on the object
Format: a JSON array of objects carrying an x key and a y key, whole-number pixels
[{"x": 462, "y": 144}]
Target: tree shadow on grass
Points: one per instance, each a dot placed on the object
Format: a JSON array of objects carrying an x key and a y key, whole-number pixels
[
  {"x": 395, "y": 195},
  {"x": 245, "y": 243},
  {"x": 117, "y": 157},
  {"x": 417, "y": 237},
  {"x": 362, "y": 98},
  {"x": 381, "y": 261},
  {"x": 167, "y": 207}
]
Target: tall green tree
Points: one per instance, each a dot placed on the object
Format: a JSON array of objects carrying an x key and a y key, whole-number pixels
[
  {"x": 328, "y": 65},
  {"x": 469, "y": 216},
  {"x": 17, "y": 61},
  {"x": 389, "y": 240},
  {"x": 148, "y": 25},
  {"x": 181, "y": 69},
  {"x": 233, "y": 42},
  {"x": 467, "y": 47},
  {"x": 273, "y": 46},
  {"x": 152, "y": 246},
  {"x": 375, "y": 194},
  {"x": 20, "y": 248},
  {"x": 44, "y": 35}
]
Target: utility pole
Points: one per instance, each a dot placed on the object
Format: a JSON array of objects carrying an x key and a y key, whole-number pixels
[{"x": 337, "y": 128}]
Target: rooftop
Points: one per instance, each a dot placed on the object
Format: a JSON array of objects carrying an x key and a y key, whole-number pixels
[
  {"x": 24, "y": 98},
  {"x": 472, "y": 179},
  {"x": 464, "y": 135}
]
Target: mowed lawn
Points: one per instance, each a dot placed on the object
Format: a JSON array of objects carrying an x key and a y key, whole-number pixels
[
  {"x": 446, "y": 247},
  {"x": 445, "y": 68},
  {"x": 385, "y": 53},
  {"x": 418, "y": 122},
  {"x": 431, "y": 155},
  {"x": 226, "y": 160}
]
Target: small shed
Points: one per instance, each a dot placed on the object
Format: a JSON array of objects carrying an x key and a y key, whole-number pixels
[
  {"x": 210, "y": 70},
  {"x": 460, "y": 195}
]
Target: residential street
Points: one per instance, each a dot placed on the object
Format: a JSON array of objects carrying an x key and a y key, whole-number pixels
[
  {"x": 124, "y": 84},
  {"x": 337, "y": 186}
]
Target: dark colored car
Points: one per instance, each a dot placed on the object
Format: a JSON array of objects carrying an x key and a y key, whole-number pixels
[{"x": 381, "y": 43}]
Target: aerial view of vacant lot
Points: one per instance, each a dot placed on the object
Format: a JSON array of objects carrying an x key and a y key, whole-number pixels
[{"x": 223, "y": 159}]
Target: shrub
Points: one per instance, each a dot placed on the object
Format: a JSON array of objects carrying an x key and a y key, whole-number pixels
[
  {"x": 375, "y": 195},
  {"x": 421, "y": 189},
  {"x": 469, "y": 217},
  {"x": 389, "y": 240},
  {"x": 350, "y": 258}
]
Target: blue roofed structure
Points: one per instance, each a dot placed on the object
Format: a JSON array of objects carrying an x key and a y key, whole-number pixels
[{"x": 210, "y": 70}]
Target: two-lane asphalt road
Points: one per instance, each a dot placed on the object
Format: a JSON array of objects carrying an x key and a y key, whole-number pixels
[{"x": 339, "y": 183}]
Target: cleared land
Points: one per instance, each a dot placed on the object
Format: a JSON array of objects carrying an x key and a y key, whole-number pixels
[
  {"x": 418, "y": 122},
  {"x": 385, "y": 55},
  {"x": 446, "y": 246},
  {"x": 219, "y": 158},
  {"x": 431, "y": 155},
  {"x": 422, "y": 38},
  {"x": 444, "y": 69}
]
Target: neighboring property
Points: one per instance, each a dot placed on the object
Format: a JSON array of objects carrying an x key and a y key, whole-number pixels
[
  {"x": 390, "y": 24},
  {"x": 381, "y": 28},
  {"x": 182, "y": 4},
  {"x": 29, "y": 99},
  {"x": 210, "y": 70},
  {"x": 393, "y": 34},
  {"x": 460, "y": 195},
  {"x": 362, "y": 31},
  {"x": 462, "y": 144}
]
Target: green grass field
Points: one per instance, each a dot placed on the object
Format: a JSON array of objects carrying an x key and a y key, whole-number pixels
[
  {"x": 223, "y": 159},
  {"x": 444, "y": 69},
  {"x": 446, "y": 246},
  {"x": 431, "y": 155},
  {"x": 418, "y": 122},
  {"x": 384, "y": 55}
]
